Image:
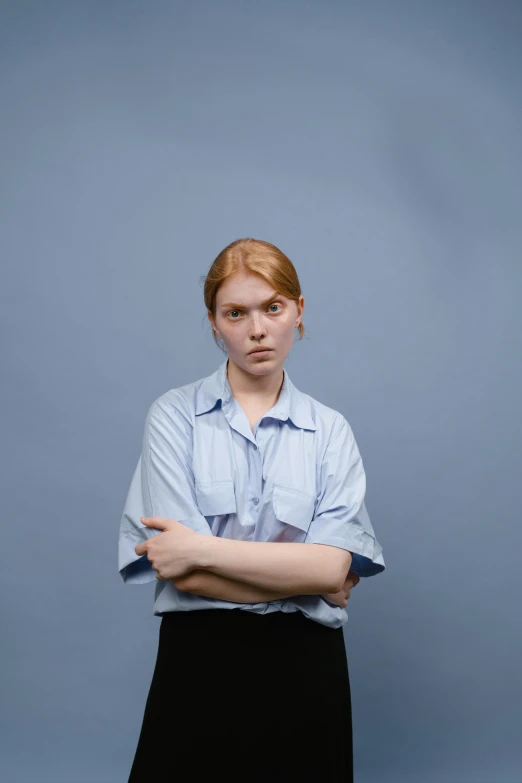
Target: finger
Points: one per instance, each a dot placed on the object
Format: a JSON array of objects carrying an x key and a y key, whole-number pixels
[{"x": 158, "y": 522}]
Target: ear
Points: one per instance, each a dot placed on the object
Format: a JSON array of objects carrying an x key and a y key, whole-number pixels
[{"x": 213, "y": 325}]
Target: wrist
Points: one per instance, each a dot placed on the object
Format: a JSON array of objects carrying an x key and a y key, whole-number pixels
[{"x": 201, "y": 555}]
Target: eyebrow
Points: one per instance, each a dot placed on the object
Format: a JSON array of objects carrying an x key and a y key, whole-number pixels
[{"x": 266, "y": 301}]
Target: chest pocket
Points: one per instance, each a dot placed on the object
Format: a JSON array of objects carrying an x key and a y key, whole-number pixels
[
  {"x": 215, "y": 498},
  {"x": 293, "y": 511}
]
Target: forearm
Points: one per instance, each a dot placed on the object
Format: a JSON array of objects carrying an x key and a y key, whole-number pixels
[
  {"x": 210, "y": 585},
  {"x": 294, "y": 569}
]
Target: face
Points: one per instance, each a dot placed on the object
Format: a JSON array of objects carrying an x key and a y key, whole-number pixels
[{"x": 249, "y": 314}]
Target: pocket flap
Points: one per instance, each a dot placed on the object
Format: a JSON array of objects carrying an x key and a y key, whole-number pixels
[
  {"x": 215, "y": 497},
  {"x": 292, "y": 506}
]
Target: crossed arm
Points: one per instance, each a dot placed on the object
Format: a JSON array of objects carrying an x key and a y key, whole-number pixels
[
  {"x": 256, "y": 571},
  {"x": 252, "y": 572},
  {"x": 212, "y": 585}
]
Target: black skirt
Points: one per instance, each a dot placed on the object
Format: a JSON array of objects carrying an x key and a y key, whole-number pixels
[{"x": 246, "y": 697}]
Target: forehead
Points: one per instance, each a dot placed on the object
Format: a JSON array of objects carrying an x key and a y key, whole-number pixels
[{"x": 245, "y": 288}]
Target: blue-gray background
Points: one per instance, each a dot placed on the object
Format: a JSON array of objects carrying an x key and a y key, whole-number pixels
[{"x": 378, "y": 144}]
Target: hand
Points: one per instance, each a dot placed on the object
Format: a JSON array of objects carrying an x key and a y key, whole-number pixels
[
  {"x": 341, "y": 598},
  {"x": 172, "y": 553}
]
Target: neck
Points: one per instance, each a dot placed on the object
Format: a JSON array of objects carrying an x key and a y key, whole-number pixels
[{"x": 251, "y": 388}]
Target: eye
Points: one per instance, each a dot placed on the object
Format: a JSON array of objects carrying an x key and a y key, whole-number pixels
[{"x": 274, "y": 304}]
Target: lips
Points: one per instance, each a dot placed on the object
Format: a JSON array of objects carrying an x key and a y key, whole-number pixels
[{"x": 259, "y": 350}]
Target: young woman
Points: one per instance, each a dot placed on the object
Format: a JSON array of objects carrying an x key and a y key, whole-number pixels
[{"x": 251, "y": 678}]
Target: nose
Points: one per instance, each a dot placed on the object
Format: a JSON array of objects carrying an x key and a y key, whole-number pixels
[{"x": 256, "y": 330}]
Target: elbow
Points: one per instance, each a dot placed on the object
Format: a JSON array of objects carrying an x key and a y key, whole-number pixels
[
  {"x": 333, "y": 581},
  {"x": 335, "y": 587},
  {"x": 340, "y": 569},
  {"x": 186, "y": 583}
]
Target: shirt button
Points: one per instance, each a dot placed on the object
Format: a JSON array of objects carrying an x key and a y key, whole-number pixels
[
  {"x": 256, "y": 501},
  {"x": 255, "y": 447}
]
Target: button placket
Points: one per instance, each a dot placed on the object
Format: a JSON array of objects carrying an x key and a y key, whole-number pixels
[{"x": 256, "y": 470}]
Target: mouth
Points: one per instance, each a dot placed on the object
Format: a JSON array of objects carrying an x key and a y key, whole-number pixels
[{"x": 261, "y": 353}]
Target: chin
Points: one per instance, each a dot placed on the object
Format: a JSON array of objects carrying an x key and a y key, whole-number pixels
[{"x": 256, "y": 366}]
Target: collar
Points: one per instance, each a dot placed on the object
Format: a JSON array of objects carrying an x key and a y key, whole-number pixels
[{"x": 292, "y": 404}]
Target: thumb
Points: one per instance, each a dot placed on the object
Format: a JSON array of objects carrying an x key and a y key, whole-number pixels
[{"x": 159, "y": 522}]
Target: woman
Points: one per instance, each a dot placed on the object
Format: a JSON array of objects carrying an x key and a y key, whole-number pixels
[{"x": 251, "y": 678}]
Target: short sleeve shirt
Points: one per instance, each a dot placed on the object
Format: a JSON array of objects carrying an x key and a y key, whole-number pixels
[{"x": 297, "y": 477}]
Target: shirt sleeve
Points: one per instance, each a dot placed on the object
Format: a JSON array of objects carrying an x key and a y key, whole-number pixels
[
  {"x": 341, "y": 518},
  {"x": 162, "y": 486}
]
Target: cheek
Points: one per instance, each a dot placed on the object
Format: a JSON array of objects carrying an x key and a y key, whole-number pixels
[{"x": 287, "y": 324}]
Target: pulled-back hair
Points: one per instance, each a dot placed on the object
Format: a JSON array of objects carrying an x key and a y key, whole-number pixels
[{"x": 257, "y": 257}]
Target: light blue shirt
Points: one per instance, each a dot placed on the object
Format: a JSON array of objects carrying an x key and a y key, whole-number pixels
[{"x": 298, "y": 477}]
